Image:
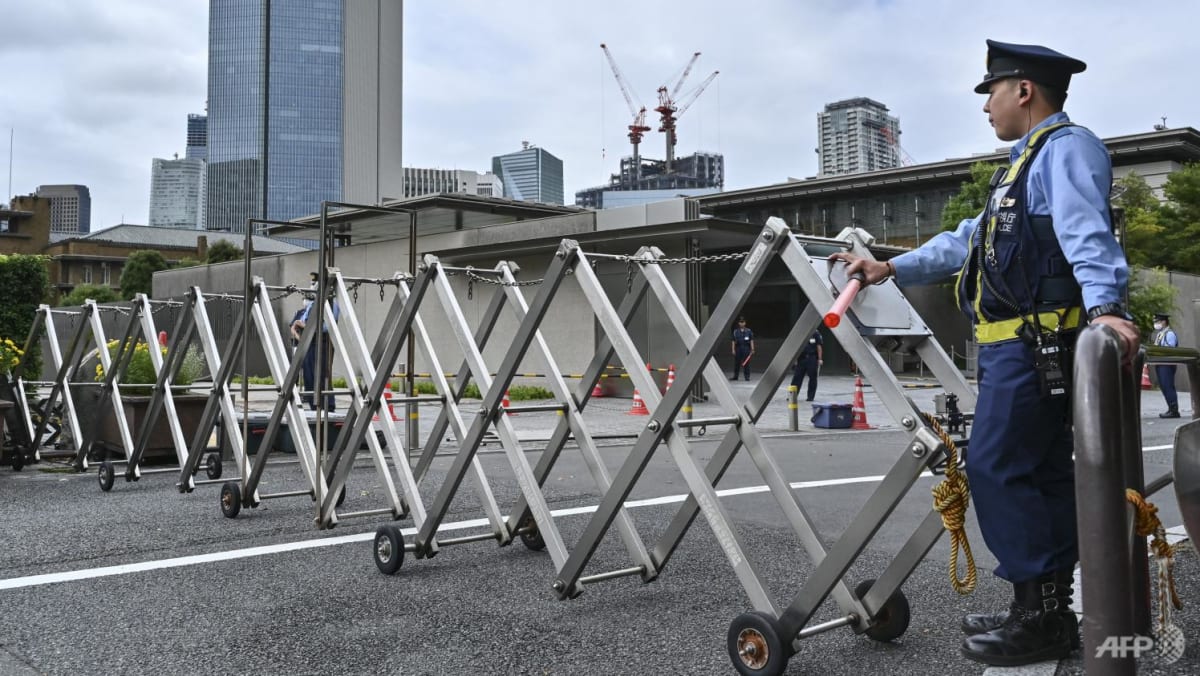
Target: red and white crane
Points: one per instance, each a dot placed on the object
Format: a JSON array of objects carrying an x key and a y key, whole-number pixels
[
  {"x": 638, "y": 111},
  {"x": 670, "y": 108}
]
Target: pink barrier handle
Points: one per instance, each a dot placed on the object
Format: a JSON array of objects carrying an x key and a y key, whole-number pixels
[{"x": 844, "y": 299}]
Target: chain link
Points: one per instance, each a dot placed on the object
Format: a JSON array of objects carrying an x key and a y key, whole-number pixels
[
  {"x": 496, "y": 282},
  {"x": 674, "y": 261}
]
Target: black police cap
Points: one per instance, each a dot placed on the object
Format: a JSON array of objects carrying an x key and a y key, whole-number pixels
[
  {"x": 1161, "y": 316},
  {"x": 1028, "y": 62}
]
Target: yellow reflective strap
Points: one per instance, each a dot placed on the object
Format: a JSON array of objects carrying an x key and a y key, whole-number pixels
[
  {"x": 1015, "y": 167},
  {"x": 1006, "y": 329}
]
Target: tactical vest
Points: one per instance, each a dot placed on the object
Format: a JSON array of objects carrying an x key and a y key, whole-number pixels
[{"x": 1015, "y": 263}]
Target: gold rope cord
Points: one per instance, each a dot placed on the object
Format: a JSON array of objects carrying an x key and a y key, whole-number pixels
[{"x": 951, "y": 498}]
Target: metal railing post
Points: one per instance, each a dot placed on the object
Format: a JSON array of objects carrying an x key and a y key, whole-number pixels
[{"x": 1101, "y": 419}]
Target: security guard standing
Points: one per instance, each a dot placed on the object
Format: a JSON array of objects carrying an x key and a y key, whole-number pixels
[
  {"x": 1165, "y": 336},
  {"x": 1037, "y": 262},
  {"x": 743, "y": 348},
  {"x": 812, "y": 356}
]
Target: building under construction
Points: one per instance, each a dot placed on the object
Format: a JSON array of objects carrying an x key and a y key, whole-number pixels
[{"x": 697, "y": 172}]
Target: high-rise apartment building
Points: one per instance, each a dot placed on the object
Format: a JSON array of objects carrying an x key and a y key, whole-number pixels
[
  {"x": 70, "y": 207},
  {"x": 177, "y": 193},
  {"x": 530, "y": 174},
  {"x": 304, "y": 105},
  {"x": 197, "y": 137},
  {"x": 419, "y": 181},
  {"x": 857, "y": 135}
]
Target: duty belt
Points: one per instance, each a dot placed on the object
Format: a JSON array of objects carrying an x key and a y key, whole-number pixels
[{"x": 1006, "y": 329}]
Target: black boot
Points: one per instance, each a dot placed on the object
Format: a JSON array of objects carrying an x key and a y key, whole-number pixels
[
  {"x": 982, "y": 623},
  {"x": 1172, "y": 412},
  {"x": 1035, "y": 630}
]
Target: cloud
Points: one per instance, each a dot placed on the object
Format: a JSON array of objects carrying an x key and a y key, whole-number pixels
[{"x": 96, "y": 88}]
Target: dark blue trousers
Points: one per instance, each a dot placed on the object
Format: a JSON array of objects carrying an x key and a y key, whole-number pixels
[
  {"x": 740, "y": 356},
  {"x": 1166, "y": 381},
  {"x": 806, "y": 366},
  {"x": 309, "y": 371},
  {"x": 1020, "y": 468}
]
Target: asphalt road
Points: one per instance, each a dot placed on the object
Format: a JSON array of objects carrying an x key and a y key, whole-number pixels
[{"x": 144, "y": 580}]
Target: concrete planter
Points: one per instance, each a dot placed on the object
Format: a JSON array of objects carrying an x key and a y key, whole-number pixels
[{"x": 190, "y": 408}]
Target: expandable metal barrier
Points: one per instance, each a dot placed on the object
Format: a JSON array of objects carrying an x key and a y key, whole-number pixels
[{"x": 881, "y": 319}]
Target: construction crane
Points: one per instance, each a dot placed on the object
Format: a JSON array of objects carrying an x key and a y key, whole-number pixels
[
  {"x": 670, "y": 108},
  {"x": 638, "y": 111}
]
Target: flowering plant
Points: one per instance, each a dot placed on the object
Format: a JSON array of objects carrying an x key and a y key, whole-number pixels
[
  {"x": 140, "y": 370},
  {"x": 10, "y": 356}
]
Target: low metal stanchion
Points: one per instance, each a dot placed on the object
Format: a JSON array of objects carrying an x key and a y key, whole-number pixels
[{"x": 793, "y": 408}]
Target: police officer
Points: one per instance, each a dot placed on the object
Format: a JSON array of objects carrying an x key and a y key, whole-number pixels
[
  {"x": 743, "y": 349},
  {"x": 1165, "y": 336},
  {"x": 1039, "y": 261},
  {"x": 812, "y": 356}
]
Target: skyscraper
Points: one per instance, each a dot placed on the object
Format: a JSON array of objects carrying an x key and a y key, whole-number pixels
[
  {"x": 197, "y": 137},
  {"x": 857, "y": 135},
  {"x": 304, "y": 105},
  {"x": 530, "y": 174},
  {"x": 177, "y": 193},
  {"x": 70, "y": 207}
]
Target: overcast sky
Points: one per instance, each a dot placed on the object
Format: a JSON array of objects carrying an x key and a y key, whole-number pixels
[{"x": 96, "y": 88}]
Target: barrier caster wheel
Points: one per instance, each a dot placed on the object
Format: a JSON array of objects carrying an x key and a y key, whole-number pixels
[
  {"x": 756, "y": 646},
  {"x": 106, "y": 476},
  {"x": 531, "y": 537},
  {"x": 231, "y": 499},
  {"x": 389, "y": 549},
  {"x": 18, "y": 460},
  {"x": 212, "y": 466},
  {"x": 892, "y": 619}
]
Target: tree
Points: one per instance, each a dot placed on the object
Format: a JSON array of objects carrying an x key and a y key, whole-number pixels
[
  {"x": 971, "y": 198},
  {"x": 188, "y": 263},
  {"x": 1149, "y": 293},
  {"x": 1180, "y": 219},
  {"x": 97, "y": 292},
  {"x": 222, "y": 251},
  {"x": 1143, "y": 231},
  {"x": 138, "y": 275}
]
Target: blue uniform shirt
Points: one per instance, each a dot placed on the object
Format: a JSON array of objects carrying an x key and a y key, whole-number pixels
[{"x": 1069, "y": 180}]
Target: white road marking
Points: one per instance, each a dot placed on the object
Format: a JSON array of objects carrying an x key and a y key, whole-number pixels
[{"x": 124, "y": 569}]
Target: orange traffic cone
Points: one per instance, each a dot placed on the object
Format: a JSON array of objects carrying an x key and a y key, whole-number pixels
[
  {"x": 860, "y": 407},
  {"x": 670, "y": 377},
  {"x": 597, "y": 391},
  {"x": 505, "y": 403},
  {"x": 387, "y": 394},
  {"x": 639, "y": 406},
  {"x": 1146, "y": 377}
]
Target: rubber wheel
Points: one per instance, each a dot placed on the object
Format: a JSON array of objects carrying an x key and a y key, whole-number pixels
[
  {"x": 17, "y": 460},
  {"x": 389, "y": 549},
  {"x": 891, "y": 621},
  {"x": 531, "y": 537},
  {"x": 212, "y": 466},
  {"x": 756, "y": 646},
  {"x": 231, "y": 499},
  {"x": 106, "y": 476}
]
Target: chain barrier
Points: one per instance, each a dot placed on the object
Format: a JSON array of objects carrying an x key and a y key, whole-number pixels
[
  {"x": 630, "y": 260},
  {"x": 473, "y": 277},
  {"x": 951, "y": 498}
]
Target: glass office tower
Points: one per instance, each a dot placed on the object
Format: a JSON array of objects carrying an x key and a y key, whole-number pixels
[
  {"x": 304, "y": 106},
  {"x": 530, "y": 174}
]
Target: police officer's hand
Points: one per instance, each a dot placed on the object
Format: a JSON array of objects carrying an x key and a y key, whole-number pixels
[
  {"x": 873, "y": 271},
  {"x": 1126, "y": 329}
]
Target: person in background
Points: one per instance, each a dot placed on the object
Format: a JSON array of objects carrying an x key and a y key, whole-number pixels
[
  {"x": 812, "y": 356},
  {"x": 743, "y": 349},
  {"x": 1164, "y": 336},
  {"x": 310, "y": 357}
]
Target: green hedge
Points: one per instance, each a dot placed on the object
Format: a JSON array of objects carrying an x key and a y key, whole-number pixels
[{"x": 24, "y": 284}]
